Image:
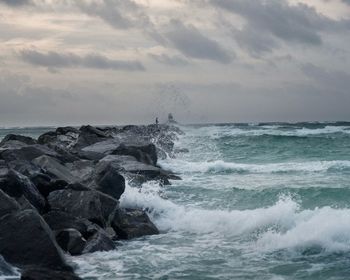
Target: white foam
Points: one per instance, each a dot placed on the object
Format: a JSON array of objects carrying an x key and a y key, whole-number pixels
[
  {"x": 280, "y": 226},
  {"x": 218, "y": 166}
]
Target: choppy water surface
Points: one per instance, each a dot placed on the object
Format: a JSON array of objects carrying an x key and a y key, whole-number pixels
[{"x": 257, "y": 201}]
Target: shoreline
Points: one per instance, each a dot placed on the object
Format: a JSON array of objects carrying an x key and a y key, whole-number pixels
[{"x": 60, "y": 193}]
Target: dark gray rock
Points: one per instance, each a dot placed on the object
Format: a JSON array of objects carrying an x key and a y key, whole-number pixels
[
  {"x": 6, "y": 269},
  {"x": 146, "y": 153},
  {"x": 45, "y": 184},
  {"x": 28, "y": 153},
  {"x": 7, "y": 204},
  {"x": 27, "y": 168},
  {"x": 13, "y": 137},
  {"x": 59, "y": 220},
  {"x": 103, "y": 147},
  {"x": 55, "y": 168},
  {"x": 27, "y": 240},
  {"x": 40, "y": 273},
  {"x": 133, "y": 223},
  {"x": 89, "y": 135},
  {"x": 71, "y": 241},
  {"x": 15, "y": 184},
  {"x": 100, "y": 241},
  {"x": 92, "y": 205},
  {"x": 109, "y": 180}
]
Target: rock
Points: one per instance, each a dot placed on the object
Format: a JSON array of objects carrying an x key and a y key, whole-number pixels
[
  {"x": 82, "y": 169},
  {"x": 92, "y": 205},
  {"x": 6, "y": 269},
  {"x": 100, "y": 241},
  {"x": 7, "y": 204},
  {"x": 71, "y": 241},
  {"x": 15, "y": 184},
  {"x": 90, "y": 155},
  {"x": 133, "y": 223},
  {"x": 146, "y": 154},
  {"x": 40, "y": 273},
  {"x": 24, "y": 204},
  {"x": 90, "y": 135},
  {"x": 64, "y": 137},
  {"x": 27, "y": 168},
  {"x": 45, "y": 184},
  {"x": 59, "y": 220},
  {"x": 13, "y": 137},
  {"x": 12, "y": 145},
  {"x": 109, "y": 180},
  {"x": 27, "y": 240},
  {"x": 103, "y": 147},
  {"x": 55, "y": 168},
  {"x": 136, "y": 171},
  {"x": 28, "y": 153}
]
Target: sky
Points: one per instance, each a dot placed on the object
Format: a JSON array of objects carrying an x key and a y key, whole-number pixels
[{"x": 67, "y": 62}]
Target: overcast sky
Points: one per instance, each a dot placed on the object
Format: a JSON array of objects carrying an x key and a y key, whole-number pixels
[{"x": 128, "y": 61}]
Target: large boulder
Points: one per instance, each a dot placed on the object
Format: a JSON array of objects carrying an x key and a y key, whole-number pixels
[
  {"x": 89, "y": 135},
  {"x": 16, "y": 185},
  {"x": 92, "y": 205},
  {"x": 40, "y": 273},
  {"x": 133, "y": 223},
  {"x": 55, "y": 168},
  {"x": 109, "y": 180},
  {"x": 46, "y": 184},
  {"x": 28, "y": 153},
  {"x": 27, "y": 240},
  {"x": 143, "y": 153},
  {"x": 13, "y": 137}
]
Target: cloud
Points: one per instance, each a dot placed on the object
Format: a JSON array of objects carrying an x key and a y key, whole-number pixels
[
  {"x": 68, "y": 60},
  {"x": 14, "y": 3},
  {"x": 120, "y": 14},
  {"x": 192, "y": 43},
  {"x": 269, "y": 21},
  {"x": 169, "y": 60}
]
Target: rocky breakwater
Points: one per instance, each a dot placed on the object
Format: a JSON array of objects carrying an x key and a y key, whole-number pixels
[{"x": 60, "y": 194}]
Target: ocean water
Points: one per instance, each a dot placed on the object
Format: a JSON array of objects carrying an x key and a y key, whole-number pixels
[{"x": 257, "y": 201}]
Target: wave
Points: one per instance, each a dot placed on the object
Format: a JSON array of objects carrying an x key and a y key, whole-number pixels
[
  {"x": 220, "y": 166},
  {"x": 216, "y": 132},
  {"x": 281, "y": 226}
]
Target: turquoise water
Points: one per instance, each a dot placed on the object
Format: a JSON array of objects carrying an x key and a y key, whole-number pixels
[{"x": 257, "y": 201}]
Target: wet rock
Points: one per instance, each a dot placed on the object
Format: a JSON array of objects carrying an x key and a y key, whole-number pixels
[
  {"x": 15, "y": 184},
  {"x": 7, "y": 204},
  {"x": 59, "y": 220},
  {"x": 20, "y": 138},
  {"x": 27, "y": 168},
  {"x": 146, "y": 154},
  {"x": 71, "y": 241},
  {"x": 90, "y": 135},
  {"x": 55, "y": 168},
  {"x": 100, "y": 241},
  {"x": 109, "y": 180},
  {"x": 28, "y": 153},
  {"x": 45, "y": 184},
  {"x": 92, "y": 205},
  {"x": 40, "y": 273},
  {"x": 103, "y": 147},
  {"x": 133, "y": 223},
  {"x": 27, "y": 240},
  {"x": 6, "y": 269}
]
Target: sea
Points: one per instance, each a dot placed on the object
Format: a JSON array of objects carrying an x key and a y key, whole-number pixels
[{"x": 256, "y": 201}]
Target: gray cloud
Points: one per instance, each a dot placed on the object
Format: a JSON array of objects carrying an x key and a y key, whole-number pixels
[
  {"x": 192, "y": 43},
  {"x": 66, "y": 60},
  {"x": 169, "y": 60},
  {"x": 267, "y": 21},
  {"x": 117, "y": 13},
  {"x": 14, "y": 3}
]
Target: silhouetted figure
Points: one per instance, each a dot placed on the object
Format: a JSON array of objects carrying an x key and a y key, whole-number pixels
[{"x": 157, "y": 122}]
